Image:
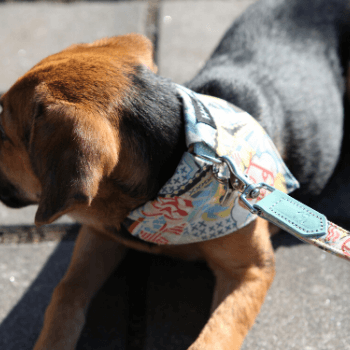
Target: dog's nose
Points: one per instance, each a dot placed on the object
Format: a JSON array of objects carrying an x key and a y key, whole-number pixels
[
  {"x": 10, "y": 197},
  {"x": 6, "y": 193}
]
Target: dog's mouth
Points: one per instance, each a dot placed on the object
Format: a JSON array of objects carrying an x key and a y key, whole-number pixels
[
  {"x": 15, "y": 203},
  {"x": 11, "y": 198}
]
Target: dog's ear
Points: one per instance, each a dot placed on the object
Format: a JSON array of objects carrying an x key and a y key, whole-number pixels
[
  {"x": 134, "y": 47},
  {"x": 71, "y": 150}
]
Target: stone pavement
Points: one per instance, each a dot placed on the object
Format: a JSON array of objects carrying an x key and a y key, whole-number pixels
[{"x": 306, "y": 307}]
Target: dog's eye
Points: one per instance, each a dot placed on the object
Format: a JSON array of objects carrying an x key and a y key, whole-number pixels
[{"x": 3, "y": 136}]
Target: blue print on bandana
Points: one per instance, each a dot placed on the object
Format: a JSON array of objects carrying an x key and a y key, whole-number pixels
[{"x": 185, "y": 172}]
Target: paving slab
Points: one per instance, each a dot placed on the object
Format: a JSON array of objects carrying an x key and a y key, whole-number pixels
[
  {"x": 32, "y": 31},
  {"x": 306, "y": 308},
  {"x": 19, "y": 266},
  {"x": 190, "y": 31},
  {"x": 28, "y": 274}
]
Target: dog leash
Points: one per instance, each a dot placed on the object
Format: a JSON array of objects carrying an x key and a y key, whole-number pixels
[
  {"x": 231, "y": 173},
  {"x": 282, "y": 210}
]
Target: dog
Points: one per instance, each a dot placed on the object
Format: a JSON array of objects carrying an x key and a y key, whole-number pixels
[{"x": 94, "y": 133}]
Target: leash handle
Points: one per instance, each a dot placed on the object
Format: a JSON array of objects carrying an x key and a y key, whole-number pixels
[
  {"x": 291, "y": 215},
  {"x": 304, "y": 223}
]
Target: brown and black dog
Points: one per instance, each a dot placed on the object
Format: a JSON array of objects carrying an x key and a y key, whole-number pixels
[{"x": 93, "y": 132}]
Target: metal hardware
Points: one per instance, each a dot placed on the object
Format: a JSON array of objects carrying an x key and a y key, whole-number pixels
[
  {"x": 255, "y": 193},
  {"x": 235, "y": 182},
  {"x": 238, "y": 181},
  {"x": 227, "y": 197},
  {"x": 221, "y": 172},
  {"x": 223, "y": 175},
  {"x": 226, "y": 172},
  {"x": 247, "y": 194},
  {"x": 211, "y": 159}
]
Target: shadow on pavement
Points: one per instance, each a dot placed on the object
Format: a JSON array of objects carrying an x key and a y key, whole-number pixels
[
  {"x": 149, "y": 302},
  {"x": 20, "y": 328}
]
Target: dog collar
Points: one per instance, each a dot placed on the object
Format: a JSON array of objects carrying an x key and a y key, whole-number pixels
[{"x": 197, "y": 203}]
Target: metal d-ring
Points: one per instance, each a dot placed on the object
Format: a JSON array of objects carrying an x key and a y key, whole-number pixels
[{"x": 248, "y": 193}]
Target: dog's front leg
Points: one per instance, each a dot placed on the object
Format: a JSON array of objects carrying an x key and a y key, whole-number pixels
[
  {"x": 243, "y": 264},
  {"x": 94, "y": 259}
]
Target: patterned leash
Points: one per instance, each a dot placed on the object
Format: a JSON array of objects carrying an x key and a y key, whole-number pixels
[{"x": 284, "y": 211}]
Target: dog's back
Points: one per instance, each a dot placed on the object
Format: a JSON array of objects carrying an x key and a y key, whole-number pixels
[{"x": 284, "y": 62}]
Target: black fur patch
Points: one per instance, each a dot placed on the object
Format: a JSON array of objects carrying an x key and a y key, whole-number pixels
[
  {"x": 283, "y": 61},
  {"x": 153, "y": 122}
]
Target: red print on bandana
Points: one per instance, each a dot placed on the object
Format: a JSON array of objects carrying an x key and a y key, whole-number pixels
[
  {"x": 175, "y": 208},
  {"x": 176, "y": 230},
  {"x": 258, "y": 173}
]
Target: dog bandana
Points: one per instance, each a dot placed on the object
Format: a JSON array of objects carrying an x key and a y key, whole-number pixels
[{"x": 189, "y": 207}]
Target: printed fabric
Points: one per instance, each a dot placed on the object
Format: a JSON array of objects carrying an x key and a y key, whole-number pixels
[{"x": 187, "y": 208}]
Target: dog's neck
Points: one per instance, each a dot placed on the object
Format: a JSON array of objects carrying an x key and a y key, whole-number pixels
[{"x": 152, "y": 125}]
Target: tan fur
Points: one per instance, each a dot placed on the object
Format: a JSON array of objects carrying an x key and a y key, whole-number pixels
[{"x": 40, "y": 112}]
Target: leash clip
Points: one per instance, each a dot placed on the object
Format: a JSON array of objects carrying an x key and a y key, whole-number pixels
[
  {"x": 253, "y": 191},
  {"x": 242, "y": 183},
  {"x": 238, "y": 181},
  {"x": 226, "y": 172}
]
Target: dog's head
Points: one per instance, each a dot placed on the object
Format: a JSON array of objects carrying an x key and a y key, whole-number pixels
[{"x": 67, "y": 133}]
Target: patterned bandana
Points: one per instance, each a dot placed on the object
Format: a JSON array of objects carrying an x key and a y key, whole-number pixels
[{"x": 189, "y": 206}]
